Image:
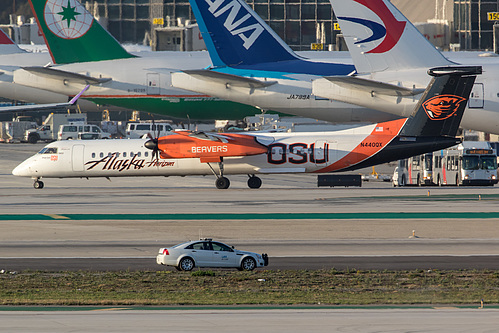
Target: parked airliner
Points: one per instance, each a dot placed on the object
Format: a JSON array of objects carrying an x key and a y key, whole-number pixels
[
  {"x": 432, "y": 126},
  {"x": 391, "y": 58}
]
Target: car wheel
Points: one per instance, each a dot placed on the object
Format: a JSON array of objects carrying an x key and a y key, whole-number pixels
[
  {"x": 32, "y": 139},
  {"x": 248, "y": 264},
  {"x": 186, "y": 264}
]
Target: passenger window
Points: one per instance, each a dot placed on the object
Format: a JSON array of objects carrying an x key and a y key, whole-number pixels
[
  {"x": 131, "y": 154},
  {"x": 124, "y": 154},
  {"x": 95, "y": 129},
  {"x": 101, "y": 155},
  {"x": 138, "y": 154},
  {"x": 220, "y": 247},
  {"x": 197, "y": 246},
  {"x": 93, "y": 155},
  {"x": 87, "y": 128},
  {"x": 146, "y": 154}
]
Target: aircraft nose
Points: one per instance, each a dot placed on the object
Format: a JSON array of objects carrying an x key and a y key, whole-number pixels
[{"x": 22, "y": 170}]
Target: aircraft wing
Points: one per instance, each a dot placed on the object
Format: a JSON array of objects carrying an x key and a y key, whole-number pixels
[
  {"x": 228, "y": 79},
  {"x": 41, "y": 107},
  {"x": 380, "y": 88},
  {"x": 58, "y": 74}
]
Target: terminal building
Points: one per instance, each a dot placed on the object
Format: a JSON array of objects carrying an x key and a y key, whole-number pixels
[
  {"x": 457, "y": 24},
  {"x": 169, "y": 24}
]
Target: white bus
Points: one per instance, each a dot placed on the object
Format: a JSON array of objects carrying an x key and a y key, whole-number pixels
[{"x": 469, "y": 163}]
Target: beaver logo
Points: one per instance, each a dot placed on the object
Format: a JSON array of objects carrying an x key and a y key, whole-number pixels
[{"x": 443, "y": 106}]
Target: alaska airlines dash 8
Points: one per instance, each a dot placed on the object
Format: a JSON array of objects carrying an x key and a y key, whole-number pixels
[{"x": 432, "y": 126}]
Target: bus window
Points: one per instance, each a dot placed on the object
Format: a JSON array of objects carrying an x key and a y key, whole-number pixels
[
  {"x": 488, "y": 162},
  {"x": 470, "y": 162}
]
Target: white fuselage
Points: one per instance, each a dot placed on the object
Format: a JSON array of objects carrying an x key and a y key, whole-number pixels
[{"x": 288, "y": 153}]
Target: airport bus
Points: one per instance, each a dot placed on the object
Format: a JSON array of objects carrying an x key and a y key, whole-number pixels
[{"x": 469, "y": 163}]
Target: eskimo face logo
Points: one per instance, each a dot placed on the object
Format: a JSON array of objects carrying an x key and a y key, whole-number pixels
[
  {"x": 390, "y": 32},
  {"x": 67, "y": 18},
  {"x": 443, "y": 106}
]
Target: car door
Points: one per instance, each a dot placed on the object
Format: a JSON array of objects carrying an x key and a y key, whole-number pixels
[
  {"x": 223, "y": 255},
  {"x": 202, "y": 253}
]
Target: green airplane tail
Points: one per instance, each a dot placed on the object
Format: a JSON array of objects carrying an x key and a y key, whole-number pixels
[{"x": 72, "y": 34}]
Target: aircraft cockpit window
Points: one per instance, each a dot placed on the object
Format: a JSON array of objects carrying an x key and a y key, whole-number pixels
[{"x": 48, "y": 150}]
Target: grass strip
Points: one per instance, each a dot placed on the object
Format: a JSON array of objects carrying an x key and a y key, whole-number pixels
[{"x": 262, "y": 287}]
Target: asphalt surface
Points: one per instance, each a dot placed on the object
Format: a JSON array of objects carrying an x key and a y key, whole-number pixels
[{"x": 459, "y": 232}]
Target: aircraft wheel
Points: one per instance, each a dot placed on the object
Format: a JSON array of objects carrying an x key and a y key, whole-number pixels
[
  {"x": 38, "y": 184},
  {"x": 222, "y": 183},
  {"x": 254, "y": 182}
]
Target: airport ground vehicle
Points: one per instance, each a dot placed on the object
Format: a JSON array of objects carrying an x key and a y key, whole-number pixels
[
  {"x": 469, "y": 163},
  {"x": 208, "y": 253},
  {"x": 50, "y": 128},
  {"x": 136, "y": 130},
  {"x": 81, "y": 131},
  {"x": 14, "y": 130}
]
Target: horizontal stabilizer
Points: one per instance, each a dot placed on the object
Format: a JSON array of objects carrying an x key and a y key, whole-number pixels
[
  {"x": 377, "y": 87},
  {"x": 42, "y": 107},
  {"x": 57, "y": 74},
  {"x": 228, "y": 79}
]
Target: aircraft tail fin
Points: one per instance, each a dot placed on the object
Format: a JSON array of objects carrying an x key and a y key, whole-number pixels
[
  {"x": 235, "y": 35},
  {"x": 379, "y": 37},
  {"x": 7, "y": 46},
  {"x": 441, "y": 108},
  {"x": 72, "y": 34}
]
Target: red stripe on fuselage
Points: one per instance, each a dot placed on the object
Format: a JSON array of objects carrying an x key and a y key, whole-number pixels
[{"x": 369, "y": 146}]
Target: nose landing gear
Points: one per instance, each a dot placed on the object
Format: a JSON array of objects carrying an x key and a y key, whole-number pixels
[{"x": 38, "y": 184}]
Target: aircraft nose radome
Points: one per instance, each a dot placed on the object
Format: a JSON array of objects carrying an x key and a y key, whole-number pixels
[{"x": 22, "y": 170}]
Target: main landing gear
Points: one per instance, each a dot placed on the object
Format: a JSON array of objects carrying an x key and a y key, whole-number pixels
[
  {"x": 38, "y": 184},
  {"x": 223, "y": 183}
]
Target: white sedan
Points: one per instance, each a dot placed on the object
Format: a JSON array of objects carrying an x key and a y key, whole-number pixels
[{"x": 208, "y": 253}]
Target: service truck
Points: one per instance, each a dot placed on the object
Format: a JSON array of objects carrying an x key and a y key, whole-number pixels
[
  {"x": 13, "y": 130},
  {"x": 50, "y": 127}
]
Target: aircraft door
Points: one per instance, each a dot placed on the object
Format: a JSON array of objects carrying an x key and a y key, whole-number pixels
[
  {"x": 153, "y": 86},
  {"x": 476, "y": 96},
  {"x": 77, "y": 157}
]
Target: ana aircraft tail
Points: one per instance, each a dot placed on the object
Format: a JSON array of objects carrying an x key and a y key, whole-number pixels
[
  {"x": 72, "y": 34},
  {"x": 380, "y": 38},
  {"x": 7, "y": 46},
  {"x": 235, "y": 35},
  {"x": 441, "y": 108}
]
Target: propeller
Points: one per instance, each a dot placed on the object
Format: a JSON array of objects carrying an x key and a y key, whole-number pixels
[{"x": 152, "y": 143}]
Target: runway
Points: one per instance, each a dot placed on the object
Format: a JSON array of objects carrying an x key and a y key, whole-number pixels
[{"x": 264, "y": 319}]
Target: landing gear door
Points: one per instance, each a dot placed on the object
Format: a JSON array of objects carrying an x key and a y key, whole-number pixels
[
  {"x": 77, "y": 157},
  {"x": 476, "y": 96},
  {"x": 153, "y": 86}
]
